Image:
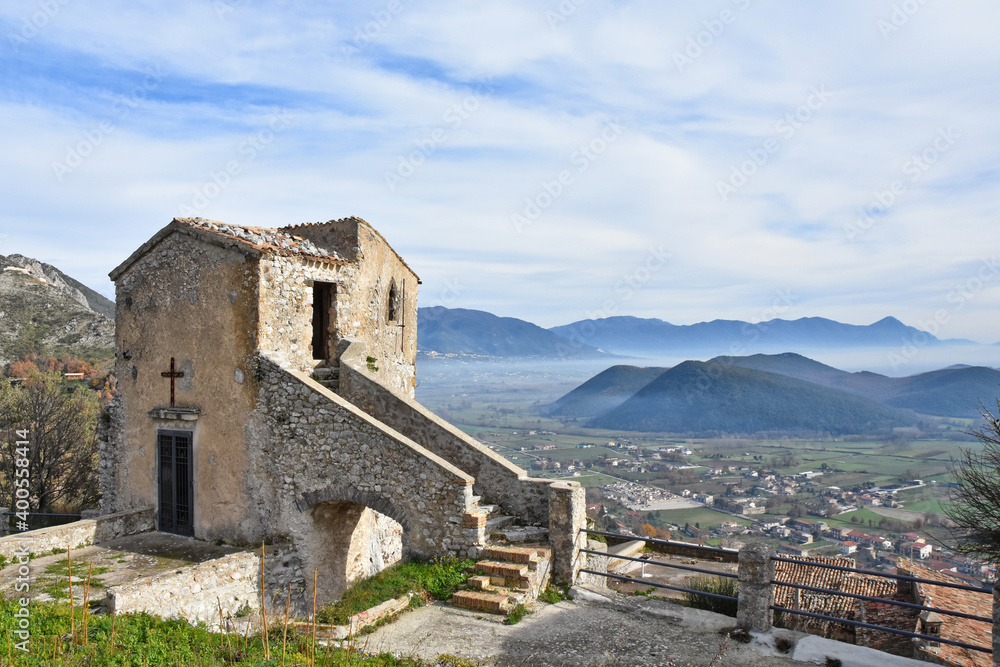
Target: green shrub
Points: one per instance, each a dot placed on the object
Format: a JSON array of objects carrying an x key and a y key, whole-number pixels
[{"x": 717, "y": 585}]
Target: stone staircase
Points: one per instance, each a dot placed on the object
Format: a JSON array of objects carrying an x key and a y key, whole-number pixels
[
  {"x": 328, "y": 375},
  {"x": 507, "y": 576}
]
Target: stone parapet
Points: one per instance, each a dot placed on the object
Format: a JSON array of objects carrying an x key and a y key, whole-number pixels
[
  {"x": 195, "y": 593},
  {"x": 78, "y": 533}
]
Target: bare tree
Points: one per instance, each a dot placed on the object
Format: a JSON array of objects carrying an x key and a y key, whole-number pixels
[
  {"x": 975, "y": 506},
  {"x": 60, "y": 420}
]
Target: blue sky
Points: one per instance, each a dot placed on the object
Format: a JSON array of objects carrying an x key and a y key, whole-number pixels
[{"x": 550, "y": 160}]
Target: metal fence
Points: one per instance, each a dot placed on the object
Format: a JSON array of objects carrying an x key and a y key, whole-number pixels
[{"x": 758, "y": 581}]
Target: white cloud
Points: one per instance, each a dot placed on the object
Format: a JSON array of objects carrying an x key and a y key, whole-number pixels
[{"x": 368, "y": 86}]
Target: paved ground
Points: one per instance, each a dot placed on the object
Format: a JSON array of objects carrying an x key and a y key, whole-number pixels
[
  {"x": 600, "y": 629},
  {"x": 116, "y": 562}
]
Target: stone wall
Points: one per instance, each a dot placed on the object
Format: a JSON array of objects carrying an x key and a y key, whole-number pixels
[
  {"x": 195, "y": 593},
  {"x": 78, "y": 534},
  {"x": 497, "y": 480},
  {"x": 322, "y": 449},
  {"x": 361, "y": 304}
]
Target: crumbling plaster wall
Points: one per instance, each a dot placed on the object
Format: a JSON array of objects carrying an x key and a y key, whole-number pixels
[{"x": 194, "y": 301}]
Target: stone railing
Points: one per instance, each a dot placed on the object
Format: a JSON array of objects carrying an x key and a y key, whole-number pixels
[{"x": 79, "y": 533}]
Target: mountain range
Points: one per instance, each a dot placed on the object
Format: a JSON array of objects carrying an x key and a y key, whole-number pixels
[
  {"x": 783, "y": 392},
  {"x": 654, "y": 337},
  {"x": 477, "y": 333},
  {"x": 42, "y": 310}
]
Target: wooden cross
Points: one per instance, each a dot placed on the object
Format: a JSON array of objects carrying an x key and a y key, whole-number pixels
[{"x": 173, "y": 375}]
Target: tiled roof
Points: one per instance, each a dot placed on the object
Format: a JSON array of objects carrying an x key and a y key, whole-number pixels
[
  {"x": 262, "y": 238},
  {"x": 957, "y": 629},
  {"x": 821, "y": 577}
]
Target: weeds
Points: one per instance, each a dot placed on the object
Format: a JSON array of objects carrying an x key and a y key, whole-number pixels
[
  {"x": 553, "y": 595},
  {"x": 515, "y": 615},
  {"x": 718, "y": 586},
  {"x": 437, "y": 579}
]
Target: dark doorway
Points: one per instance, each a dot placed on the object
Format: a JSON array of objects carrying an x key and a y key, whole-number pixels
[
  {"x": 176, "y": 488},
  {"x": 322, "y": 304}
]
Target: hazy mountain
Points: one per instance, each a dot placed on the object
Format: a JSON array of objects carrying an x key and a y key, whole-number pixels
[
  {"x": 604, "y": 391},
  {"x": 44, "y": 311},
  {"x": 952, "y": 392},
  {"x": 700, "y": 397},
  {"x": 955, "y": 391},
  {"x": 637, "y": 336},
  {"x": 475, "y": 332}
]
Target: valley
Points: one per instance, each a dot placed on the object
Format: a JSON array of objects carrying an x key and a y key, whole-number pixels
[{"x": 809, "y": 495}]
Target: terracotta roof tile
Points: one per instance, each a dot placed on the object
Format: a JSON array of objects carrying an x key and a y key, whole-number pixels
[
  {"x": 958, "y": 629},
  {"x": 262, "y": 238}
]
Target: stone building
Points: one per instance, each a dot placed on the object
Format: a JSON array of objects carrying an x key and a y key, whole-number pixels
[{"x": 266, "y": 383}]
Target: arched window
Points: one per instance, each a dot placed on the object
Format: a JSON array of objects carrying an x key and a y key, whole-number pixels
[{"x": 393, "y": 309}]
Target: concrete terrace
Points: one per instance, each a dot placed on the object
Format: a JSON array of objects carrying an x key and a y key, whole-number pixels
[{"x": 600, "y": 627}]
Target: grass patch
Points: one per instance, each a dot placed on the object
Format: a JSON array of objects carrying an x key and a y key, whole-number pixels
[
  {"x": 717, "y": 585},
  {"x": 437, "y": 579},
  {"x": 61, "y": 568},
  {"x": 140, "y": 639}
]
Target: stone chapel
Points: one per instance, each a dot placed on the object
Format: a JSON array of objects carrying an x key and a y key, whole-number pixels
[{"x": 266, "y": 394}]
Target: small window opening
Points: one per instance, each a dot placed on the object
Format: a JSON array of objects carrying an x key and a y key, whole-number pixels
[{"x": 392, "y": 315}]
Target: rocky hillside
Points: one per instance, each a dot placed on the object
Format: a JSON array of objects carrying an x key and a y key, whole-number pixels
[{"x": 44, "y": 311}]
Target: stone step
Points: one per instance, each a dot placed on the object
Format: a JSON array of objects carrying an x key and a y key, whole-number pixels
[
  {"x": 524, "y": 533},
  {"x": 498, "y": 522},
  {"x": 510, "y": 571},
  {"x": 497, "y": 603},
  {"x": 530, "y": 556}
]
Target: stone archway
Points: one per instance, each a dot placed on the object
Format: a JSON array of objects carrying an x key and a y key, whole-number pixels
[
  {"x": 351, "y": 542},
  {"x": 350, "y": 536}
]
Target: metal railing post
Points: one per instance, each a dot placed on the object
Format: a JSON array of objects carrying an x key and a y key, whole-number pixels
[
  {"x": 756, "y": 570},
  {"x": 996, "y": 623}
]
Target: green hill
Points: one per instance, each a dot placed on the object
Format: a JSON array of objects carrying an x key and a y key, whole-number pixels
[
  {"x": 704, "y": 398},
  {"x": 606, "y": 390},
  {"x": 951, "y": 392}
]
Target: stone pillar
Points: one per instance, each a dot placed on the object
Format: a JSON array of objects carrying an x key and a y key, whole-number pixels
[
  {"x": 567, "y": 519},
  {"x": 996, "y": 624},
  {"x": 4, "y": 521},
  {"x": 756, "y": 570}
]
